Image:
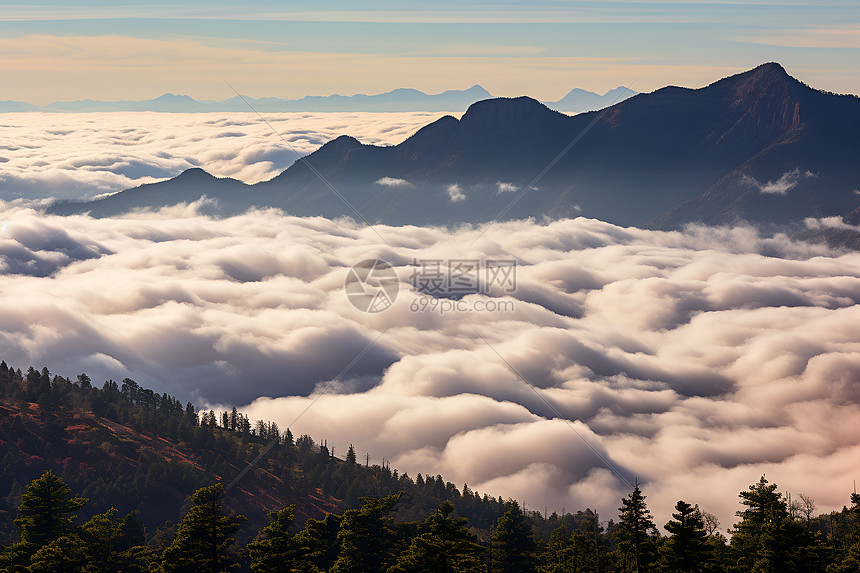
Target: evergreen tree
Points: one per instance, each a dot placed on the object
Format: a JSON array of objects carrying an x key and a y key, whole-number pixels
[
  {"x": 443, "y": 545},
  {"x": 558, "y": 554},
  {"x": 102, "y": 535},
  {"x": 47, "y": 511},
  {"x": 766, "y": 539},
  {"x": 66, "y": 554},
  {"x": 366, "y": 539},
  {"x": 513, "y": 543},
  {"x": 204, "y": 536},
  {"x": 319, "y": 541},
  {"x": 190, "y": 413},
  {"x": 132, "y": 531},
  {"x": 852, "y": 519},
  {"x": 275, "y": 549},
  {"x": 85, "y": 381},
  {"x": 135, "y": 556},
  {"x": 849, "y": 561},
  {"x": 636, "y": 532},
  {"x": 350, "y": 455},
  {"x": 687, "y": 549},
  {"x": 587, "y": 541}
]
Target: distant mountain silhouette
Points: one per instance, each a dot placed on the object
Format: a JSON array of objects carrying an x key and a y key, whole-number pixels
[
  {"x": 579, "y": 100},
  {"x": 7, "y": 105},
  {"x": 165, "y": 103},
  {"x": 759, "y": 146},
  {"x": 403, "y": 99},
  {"x": 396, "y": 100}
]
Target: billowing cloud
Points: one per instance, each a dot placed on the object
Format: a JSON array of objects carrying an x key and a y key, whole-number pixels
[
  {"x": 455, "y": 192},
  {"x": 694, "y": 360},
  {"x": 73, "y": 156},
  {"x": 785, "y": 183},
  {"x": 393, "y": 182},
  {"x": 506, "y": 187}
]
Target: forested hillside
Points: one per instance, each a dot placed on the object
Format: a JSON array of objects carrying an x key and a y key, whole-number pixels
[
  {"x": 127, "y": 447},
  {"x": 123, "y": 479}
]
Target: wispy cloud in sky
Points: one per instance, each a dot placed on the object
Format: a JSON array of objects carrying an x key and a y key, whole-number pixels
[
  {"x": 551, "y": 47},
  {"x": 833, "y": 37}
]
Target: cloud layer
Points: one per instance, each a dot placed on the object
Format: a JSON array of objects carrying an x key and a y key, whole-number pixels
[
  {"x": 696, "y": 361},
  {"x": 83, "y": 155}
]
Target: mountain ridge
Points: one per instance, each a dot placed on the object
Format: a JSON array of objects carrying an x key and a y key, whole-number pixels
[{"x": 737, "y": 149}]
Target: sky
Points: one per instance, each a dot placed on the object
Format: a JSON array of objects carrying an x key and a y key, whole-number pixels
[{"x": 55, "y": 50}]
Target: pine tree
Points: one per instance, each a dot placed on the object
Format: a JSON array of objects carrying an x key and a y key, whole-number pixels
[
  {"x": 766, "y": 539},
  {"x": 587, "y": 540},
  {"x": 133, "y": 533},
  {"x": 849, "y": 561},
  {"x": 319, "y": 541},
  {"x": 687, "y": 549},
  {"x": 135, "y": 556},
  {"x": 47, "y": 512},
  {"x": 366, "y": 539},
  {"x": 443, "y": 545},
  {"x": 558, "y": 554},
  {"x": 102, "y": 535},
  {"x": 275, "y": 548},
  {"x": 204, "y": 536},
  {"x": 66, "y": 554},
  {"x": 636, "y": 532},
  {"x": 350, "y": 455},
  {"x": 513, "y": 544},
  {"x": 85, "y": 381}
]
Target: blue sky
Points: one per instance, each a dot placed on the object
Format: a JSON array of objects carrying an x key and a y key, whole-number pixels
[{"x": 73, "y": 50}]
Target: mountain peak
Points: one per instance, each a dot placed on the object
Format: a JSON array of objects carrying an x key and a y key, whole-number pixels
[
  {"x": 768, "y": 81},
  {"x": 195, "y": 173},
  {"x": 768, "y": 74},
  {"x": 341, "y": 143},
  {"x": 173, "y": 97},
  {"x": 499, "y": 111},
  {"x": 770, "y": 68}
]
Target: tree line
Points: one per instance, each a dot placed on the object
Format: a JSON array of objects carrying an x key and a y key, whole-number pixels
[{"x": 368, "y": 540}]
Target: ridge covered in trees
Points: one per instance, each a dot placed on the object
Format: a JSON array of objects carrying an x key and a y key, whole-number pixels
[
  {"x": 127, "y": 447},
  {"x": 92, "y": 498}
]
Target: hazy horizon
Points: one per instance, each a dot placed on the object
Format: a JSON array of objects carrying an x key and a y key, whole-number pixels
[{"x": 57, "y": 51}]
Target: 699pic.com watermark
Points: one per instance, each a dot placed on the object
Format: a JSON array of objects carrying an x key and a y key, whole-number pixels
[{"x": 437, "y": 285}]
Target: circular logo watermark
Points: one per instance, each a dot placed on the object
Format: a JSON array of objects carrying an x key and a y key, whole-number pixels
[{"x": 371, "y": 285}]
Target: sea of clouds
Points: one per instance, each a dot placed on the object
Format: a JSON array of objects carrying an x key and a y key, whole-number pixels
[
  {"x": 83, "y": 155},
  {"x": 695, "y": 361}
]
